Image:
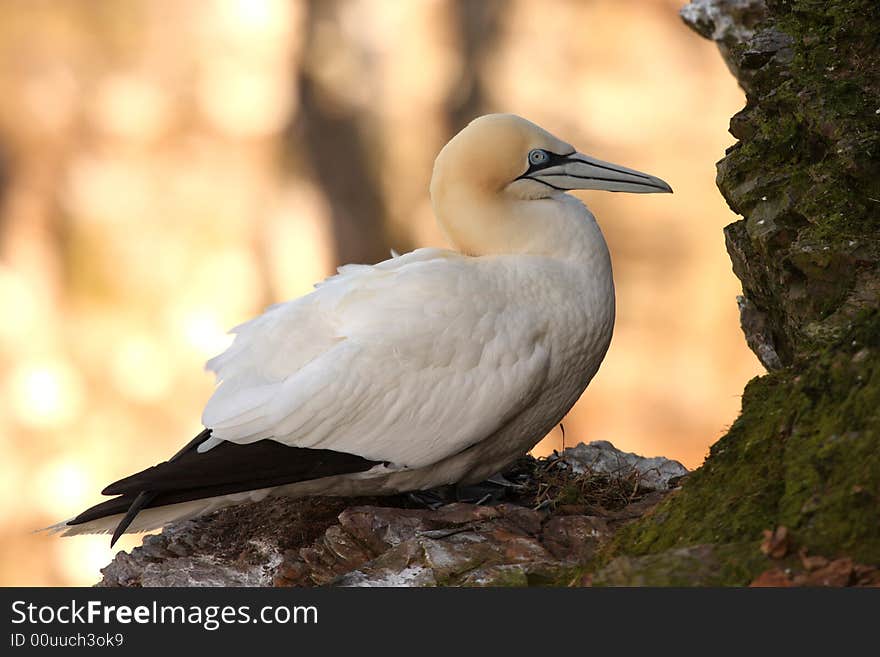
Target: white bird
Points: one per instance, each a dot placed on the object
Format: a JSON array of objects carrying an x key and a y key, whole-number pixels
[{"x": 431, "y": 368}]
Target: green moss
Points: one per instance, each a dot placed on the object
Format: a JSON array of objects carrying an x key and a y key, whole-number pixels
[
  {"x": 733, "y": 497},
  {"x": 832, "y": 458},
  {"x": 733, "y": 564},
  {"x": 806, "y": 172},
  {"x": 805, "y": 453}
]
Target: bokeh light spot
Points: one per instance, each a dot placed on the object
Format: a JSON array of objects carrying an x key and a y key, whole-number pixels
[{"x": 46, "y": 394}]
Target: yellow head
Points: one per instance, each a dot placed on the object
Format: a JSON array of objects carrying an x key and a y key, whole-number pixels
[
  {"x": 492, "y": 152},
  {"x": 487, "y": 171}
]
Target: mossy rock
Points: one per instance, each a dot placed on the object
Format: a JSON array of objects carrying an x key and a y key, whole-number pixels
[
  {"x": 806, "y": 171},
  {"x": 699, "y": 565},
  {"x": 805, "y": 454},
  {"x": 805, "y": 451}
]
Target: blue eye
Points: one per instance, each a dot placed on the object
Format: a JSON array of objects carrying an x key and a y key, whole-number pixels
[{"x": 537, "y": 156}]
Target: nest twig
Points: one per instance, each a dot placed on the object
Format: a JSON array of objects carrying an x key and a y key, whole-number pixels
[{"x": 551, "y": 482}]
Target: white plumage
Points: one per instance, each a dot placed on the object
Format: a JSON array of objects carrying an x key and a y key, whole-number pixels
[
  {"x": 437, "y": 366},
  {"x": 381, "y": 361}
]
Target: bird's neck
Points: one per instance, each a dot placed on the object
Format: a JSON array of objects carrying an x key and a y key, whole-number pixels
[{"x": 490, "y": 224}]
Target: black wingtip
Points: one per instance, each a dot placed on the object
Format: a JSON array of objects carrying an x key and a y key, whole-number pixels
[
  {"x": 120, "y": 487},
  {"x": 143, "y": 498},
  {"x": 227, "y": 468}
]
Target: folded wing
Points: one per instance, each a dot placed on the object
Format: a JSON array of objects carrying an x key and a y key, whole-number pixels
[{"x": 406, "y": 362}]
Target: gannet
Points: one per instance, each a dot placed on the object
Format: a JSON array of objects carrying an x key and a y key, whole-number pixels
[{"x": 435, "y": 367}]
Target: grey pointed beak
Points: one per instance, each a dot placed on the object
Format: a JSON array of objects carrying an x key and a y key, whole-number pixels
[{"x": 579, "y": 171}]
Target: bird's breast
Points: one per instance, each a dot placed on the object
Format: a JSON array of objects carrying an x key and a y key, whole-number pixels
[{"x": 579, "y": 306}]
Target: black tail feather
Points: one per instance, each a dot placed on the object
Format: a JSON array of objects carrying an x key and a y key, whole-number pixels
[
  {"x": 224, "y": 469},
  {"x": 143, "y": 498}
]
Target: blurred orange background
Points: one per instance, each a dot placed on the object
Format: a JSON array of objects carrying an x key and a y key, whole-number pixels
[{"x": 168, "y": 169}]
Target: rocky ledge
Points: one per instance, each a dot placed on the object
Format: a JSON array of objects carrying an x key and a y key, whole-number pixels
[{"x": 544, "y": 526}]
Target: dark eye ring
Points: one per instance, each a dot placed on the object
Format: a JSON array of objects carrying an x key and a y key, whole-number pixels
[{"x": 537, "y": 156}]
